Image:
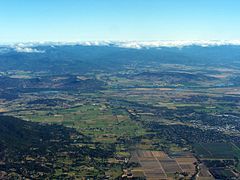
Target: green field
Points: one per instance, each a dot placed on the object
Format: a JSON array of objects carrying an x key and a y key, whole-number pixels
[
  {"x": 102, "y": 123},
  {"x": 217, "y": 150}
]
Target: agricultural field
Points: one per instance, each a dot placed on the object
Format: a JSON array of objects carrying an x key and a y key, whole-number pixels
[
  {"x": 158, "y": 165},
  {"x": 217, "y": 150},
  {"x": 95, "y": 120},
  {"x": 220, "y": 158}
]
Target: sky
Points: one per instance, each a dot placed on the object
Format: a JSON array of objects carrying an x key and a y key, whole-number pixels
[{"x": 118, "y": 20}]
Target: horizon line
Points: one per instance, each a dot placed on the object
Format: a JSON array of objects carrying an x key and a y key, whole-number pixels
[{"x": 127, "y": 43}]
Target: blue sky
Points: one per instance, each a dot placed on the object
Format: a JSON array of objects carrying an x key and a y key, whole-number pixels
[{"x": 83, "y": 20}]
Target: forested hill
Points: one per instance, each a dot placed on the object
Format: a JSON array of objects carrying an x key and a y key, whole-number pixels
[{"x": 34, "y": 150}]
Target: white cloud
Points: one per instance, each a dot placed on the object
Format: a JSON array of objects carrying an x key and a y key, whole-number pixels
[
  {"x": 27, "y": 50},
  {"x": 158, "y": 44},
  {"x": 31, "y": 46}
]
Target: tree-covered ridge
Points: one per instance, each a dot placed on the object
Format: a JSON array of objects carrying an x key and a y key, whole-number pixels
[{"x": 34, "y": 150}]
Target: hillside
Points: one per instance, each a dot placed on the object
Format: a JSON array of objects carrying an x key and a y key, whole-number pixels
[{"x": 34, "y": 150}]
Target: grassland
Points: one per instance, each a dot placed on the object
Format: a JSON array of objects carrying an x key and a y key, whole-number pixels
[{"x": 98, "y": 121}]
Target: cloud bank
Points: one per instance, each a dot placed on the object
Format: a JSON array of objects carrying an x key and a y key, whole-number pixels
[
  {"x": 27, "y": 50},
  {"x": 32, "y": 46},
  {"x": 159, "y": 44}
]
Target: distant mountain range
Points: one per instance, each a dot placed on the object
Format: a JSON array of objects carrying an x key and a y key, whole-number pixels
[{"x": 90, "y": 56}]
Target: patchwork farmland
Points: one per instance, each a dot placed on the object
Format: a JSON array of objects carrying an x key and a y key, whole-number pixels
[{"x": 157, "y": 165}]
